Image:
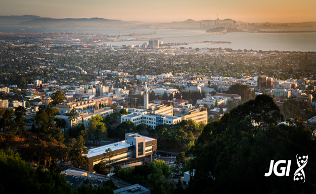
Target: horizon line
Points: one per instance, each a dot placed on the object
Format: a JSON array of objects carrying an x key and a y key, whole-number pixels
[{"x": 152, "y": 21}]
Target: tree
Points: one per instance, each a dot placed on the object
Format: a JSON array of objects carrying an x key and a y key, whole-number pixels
[
  {"x": 100, "y": 168},
  {"x": 58, "y": 97},
  {"x": 77, "y": 148},
  {"x": 20, "y": 177},
  {"x": 6, "y": 121},
  {"x": 109, "y": 154},
  {"x": 27, "y": 104},
  {"x": 123, "y": 111},
  {"x": 164, "y": 96},
  {"x": 19, "y": 118},
  {"x": 232, "y": 154},
  {"x": 73, "y": 113},
  {"x": 242, "y": 90},
  {"x": 98, "y": 129},
  {"x": 156, "y": 180}
]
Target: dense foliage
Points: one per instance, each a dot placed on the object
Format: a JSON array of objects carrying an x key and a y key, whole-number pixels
[
  {"x": 233, "y": 154},
  {"x": 178, "y": 137},
  {"x": 152, "y": 177},
  {"x": 17, "y": 176},
  {"x": 293, "y": 108}
]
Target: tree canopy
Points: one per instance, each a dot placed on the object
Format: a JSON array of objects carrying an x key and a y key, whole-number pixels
[
  {"x": 58, "y": 97},
  {"x": 233, "y": 154}
]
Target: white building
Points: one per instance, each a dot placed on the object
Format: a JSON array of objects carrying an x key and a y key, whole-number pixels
[
  {"x": 104, "y": 89},
  {"x": 37, "y": 82},
  {"x": 16, "y": 104},
  {"x": 150, "y": 119},
  {"x": 211, "y": 100},
  {"x": 127, "y": 153},
  {"x": 4, "y": 103},
  {"x": 91, "y": 91},
  {"x": 79, "y": 90}
]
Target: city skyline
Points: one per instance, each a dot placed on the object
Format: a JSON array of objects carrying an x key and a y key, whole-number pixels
[{"x": 165, "y": 11}]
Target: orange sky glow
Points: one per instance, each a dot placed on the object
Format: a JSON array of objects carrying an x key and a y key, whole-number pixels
[{"x": 166, "y": 10}]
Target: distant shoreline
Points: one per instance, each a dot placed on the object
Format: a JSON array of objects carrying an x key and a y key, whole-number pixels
[{"x": 282, "y": 31}]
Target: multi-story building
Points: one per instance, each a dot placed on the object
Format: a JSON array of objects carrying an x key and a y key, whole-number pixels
[
  {"x": 262, "y": 81},
  {"x": 270, "y": 82},
  {"x": 91, "y": 91},
  {"x": 281, "y": 92},
  {"x": 199, "y": 116},
  {"x": 103, "y": 89},
  {"x": 79, "y": 105},
  {"x": 79, "y": 90},
  {"x": 212, "y": 100},
  {"x": 162, "y": 109},
  {"x": 4, "y": 103},
  {"x": 102, "y": 100},
  {"x": 84, "y": 118},
  {"x": 16, "y": 104},
  {"x": 127, "y": 153},
  {"x": 5, "y": 90},
  {"x": 153, "y": 44},
  {"x": 150, "y": 119},
  {"x": 37, "y": 83}
]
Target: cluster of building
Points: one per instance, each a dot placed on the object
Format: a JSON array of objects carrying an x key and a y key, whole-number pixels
[{"x": 154, "y": 115}]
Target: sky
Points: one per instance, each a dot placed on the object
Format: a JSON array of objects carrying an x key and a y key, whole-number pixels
[{"x": 166, "y": 10}]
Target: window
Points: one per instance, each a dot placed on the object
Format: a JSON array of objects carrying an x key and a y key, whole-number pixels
[{"x": 140, "y": 149}]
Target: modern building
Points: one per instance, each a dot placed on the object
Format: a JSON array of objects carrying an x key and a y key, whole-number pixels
[
  {"x": 153, "y": 44},
  {"x": 162, "y": 109},
  {"x": 127, "y": 153},
  {"x": 103, "y": 89},
  {"x": 79, "y": 105},
  {"x": 84, "y": 118},
  {"x": 262, "y": 82},
  {"x": 199, "y": 116},
  {"x": 281, "y": 92},
  {"x": 270, "y": 82},
  {"x": 150, "y": 119}
]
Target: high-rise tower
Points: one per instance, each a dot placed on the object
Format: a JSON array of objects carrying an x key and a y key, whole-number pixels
[{"x": 146, "y": 99}]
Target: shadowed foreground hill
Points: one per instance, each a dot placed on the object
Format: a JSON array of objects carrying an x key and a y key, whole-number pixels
[
  {"x": 17, "y": 176},
  {"x": 233, "y": 154}
]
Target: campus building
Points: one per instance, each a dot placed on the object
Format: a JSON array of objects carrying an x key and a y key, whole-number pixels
[
  {"x": 84, "y": 118},
  {"x": 127, "y": 153},
  {"x": 199, "y": 116},
  {"x": 150, "y": 119},
  {"x": 78, "y": 105},
  {"x": 162, "y": 109}
]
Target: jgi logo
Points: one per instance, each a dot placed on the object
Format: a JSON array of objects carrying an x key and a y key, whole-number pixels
[{"x": 285, "y": 171}]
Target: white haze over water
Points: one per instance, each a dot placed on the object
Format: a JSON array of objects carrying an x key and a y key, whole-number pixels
[{"x": 294, "y": 41}]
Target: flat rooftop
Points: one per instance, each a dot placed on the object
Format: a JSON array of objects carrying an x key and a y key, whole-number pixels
[
  {"x": 137, "y": 189},
  {"x": 114, "y": 146}
]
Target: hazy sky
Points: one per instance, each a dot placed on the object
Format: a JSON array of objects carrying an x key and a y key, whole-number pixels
[{"x": 166, "y": 10}]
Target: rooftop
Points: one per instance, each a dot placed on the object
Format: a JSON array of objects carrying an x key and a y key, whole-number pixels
[
  {"x": 114, "y": 146},
  {"x": 137, "y": 189}
]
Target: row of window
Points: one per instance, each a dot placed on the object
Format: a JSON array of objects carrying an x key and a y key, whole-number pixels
[{"x": 106, "y": 157}]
